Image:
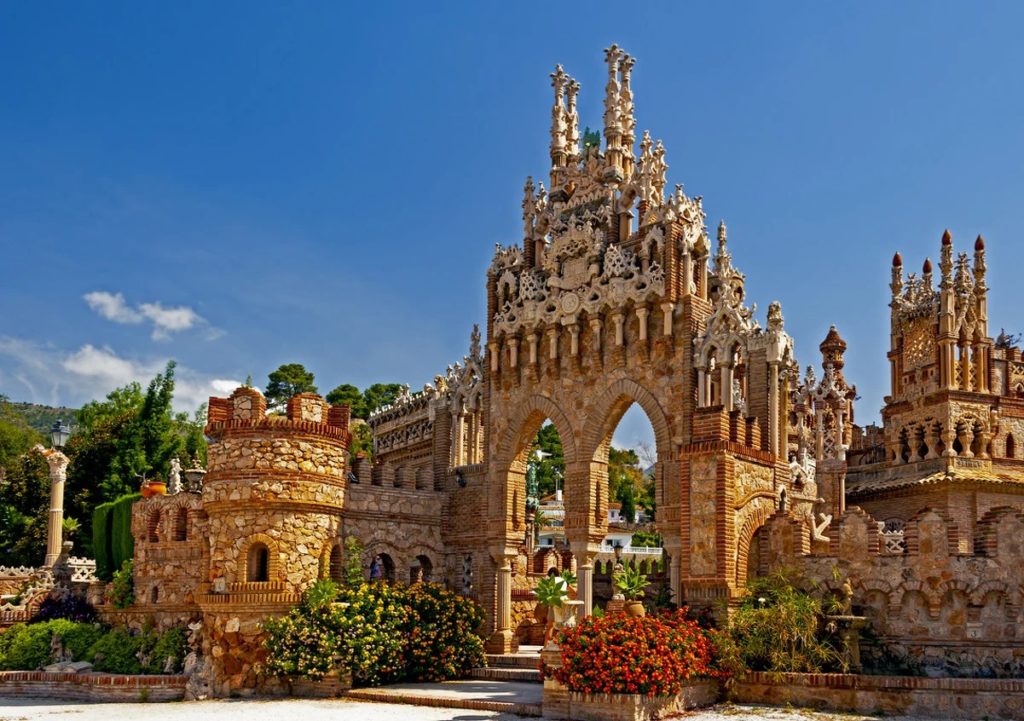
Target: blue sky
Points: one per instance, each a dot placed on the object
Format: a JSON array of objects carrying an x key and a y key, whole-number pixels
[{"x": 238, "y": 185}]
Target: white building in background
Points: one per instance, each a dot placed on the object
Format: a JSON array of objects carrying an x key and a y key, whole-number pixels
[{"x": 552, "y": 530}]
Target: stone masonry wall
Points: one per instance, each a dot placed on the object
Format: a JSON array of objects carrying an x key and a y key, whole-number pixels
[{"x": 934, "y": 609}]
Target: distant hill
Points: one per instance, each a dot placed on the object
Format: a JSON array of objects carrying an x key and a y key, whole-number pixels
[{"x": 41, "y": 418}]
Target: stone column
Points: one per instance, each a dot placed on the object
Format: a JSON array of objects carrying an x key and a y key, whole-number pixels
[
  {"x": 58, "y": 463},
  {"x": 726, "y": 370},
  {"x": 774, "y": 432},
  {"x": 641, "y": 314},
  {"x": 501, "y": 640},
  {"x": 584, "y": 575}
]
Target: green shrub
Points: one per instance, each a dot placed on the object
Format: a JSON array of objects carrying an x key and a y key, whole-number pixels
[
  {"x": 381, "y": 633},
  {"x": 444, "y": 640},
  {"x": 26, "y": 647},
  {"x": 112, "y": 542},
  {"x": 122, "y": 594},
  {"x": 101, "y": 541},
  {"x": 779, "y": 628},
  {"x": 122, "y": 544},
  {"x": 115, "y": 652}
]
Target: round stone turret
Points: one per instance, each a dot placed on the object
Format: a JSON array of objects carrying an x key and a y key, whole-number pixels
[{"x": 274, "y": 491}]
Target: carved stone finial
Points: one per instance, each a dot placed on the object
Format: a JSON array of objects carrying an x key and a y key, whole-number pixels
[
  {"x": 558, "y": 117},
  {"x": 529, "y": 209},
  {"x": 612, "y": 99},
  {"x": 474, "y": 342},
  {"x": 722, "y": 233},
  {"x": 572, "y": 120}
]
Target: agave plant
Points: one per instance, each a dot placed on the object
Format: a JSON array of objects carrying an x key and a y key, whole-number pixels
[
  {"x": 632, "y": 583},
  {"x": 550, "y": 592}
]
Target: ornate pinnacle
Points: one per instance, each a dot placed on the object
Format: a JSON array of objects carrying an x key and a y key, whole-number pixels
[
  {"x": 722, "y": 235},
  {"x": 896, "y": 284},
  {"x": 572, "y": 133},
  {"x": 558, "y": 116},
  {"x": 626, "y": 100},
  {"x": 612, "y": 100},
  {"x": 979, "y": 263},
  {"x": 946, "y": 260},
  {"x": 474, "y": 341},
  {"x": 529, "y": 208},
  {"x": 660, "y": 170}
]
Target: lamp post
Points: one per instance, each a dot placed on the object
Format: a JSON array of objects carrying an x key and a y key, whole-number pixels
[{"x": 58, "y": 464}]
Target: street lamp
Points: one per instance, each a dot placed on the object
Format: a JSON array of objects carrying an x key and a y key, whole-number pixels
[{"x": 59, "y": 434}]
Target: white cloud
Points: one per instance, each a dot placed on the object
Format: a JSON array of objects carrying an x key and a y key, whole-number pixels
[
  {"x": 169, "y": 320},
  {"x": 112, "y": 307},
  {"x": 43, "y": 374},
  {"x": 165, "y": 320}
]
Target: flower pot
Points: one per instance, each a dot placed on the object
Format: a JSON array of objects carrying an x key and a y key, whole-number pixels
[
  {"x": 635, "y": 609},
  {"x": 153, "y": 488}
]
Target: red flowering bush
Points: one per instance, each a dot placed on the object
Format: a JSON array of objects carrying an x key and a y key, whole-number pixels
[{"x": 651, "y": 655}]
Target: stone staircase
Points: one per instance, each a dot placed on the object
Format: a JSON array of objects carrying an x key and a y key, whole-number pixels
[{"x": 521, "y": 666}]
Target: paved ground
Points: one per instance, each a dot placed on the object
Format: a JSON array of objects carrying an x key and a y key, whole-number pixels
[{"x": 341, "y": 709}]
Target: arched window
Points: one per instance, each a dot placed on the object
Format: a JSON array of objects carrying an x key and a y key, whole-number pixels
[
  {"x": 258, "y": 566},
  {"x": 335, "y": 567},
  {"x": 154, "y": 594},
  {"x": 421, "y": 570},
  {"x": 153, "y": 527},
  {"x": 181, "y": 525},
  {"x": 1011, "y": 446}
]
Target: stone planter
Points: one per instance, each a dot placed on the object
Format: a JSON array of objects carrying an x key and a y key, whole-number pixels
[
  {"x": 628, "y": 707},
  {"x": 330, "y": 686},
  {"x": 635, "y": 609}
]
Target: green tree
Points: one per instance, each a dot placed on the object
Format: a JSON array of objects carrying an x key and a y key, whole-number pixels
[
  {"x": 550, "y": 469},
  {"x": 362, "y": 439},
  {"x": 377, "y": 395},
  {"x": 16, "y": 436},
  {"x": 288, "y": 380},
  {"x": 24, "y": 506},
  {"x": 348, "y": 395}
]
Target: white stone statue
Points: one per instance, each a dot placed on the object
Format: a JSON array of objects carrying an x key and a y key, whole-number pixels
[{"x": 174, "y": 481}]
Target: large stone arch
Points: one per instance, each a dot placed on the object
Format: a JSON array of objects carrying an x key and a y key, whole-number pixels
[
  {"x": 529, "y": 416},
  {"x": 607, "y": 410}
]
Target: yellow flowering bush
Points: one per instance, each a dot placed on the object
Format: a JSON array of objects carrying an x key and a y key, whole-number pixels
[{"x": 380, "y": 633}]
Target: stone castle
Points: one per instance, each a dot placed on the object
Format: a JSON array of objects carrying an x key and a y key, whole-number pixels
[{"x": 617, "y": 295}]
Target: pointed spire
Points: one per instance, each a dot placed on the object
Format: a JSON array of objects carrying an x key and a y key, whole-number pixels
[
  {"x": 646, "y": 170},
  {"x": 660, "y": 170},
  {"x": 979, "y": 263},
  {"x": 529, "y": 209},
  {"x": 572, "y": 132},
  {"x": 926, "y": 274},
  {"x": 896, "y": 284},
  {"x": 946, "y": 260},
  {"x": 626, "y": 116},
  {"x": 927, "y": 267},
  {"x": 612, "y": 100},
  {"x": 558, "y": 117},
  {"x": 722, "y": 234}
]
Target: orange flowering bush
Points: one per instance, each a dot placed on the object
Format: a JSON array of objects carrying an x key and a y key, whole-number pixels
[{"x": 650, "y": 655}]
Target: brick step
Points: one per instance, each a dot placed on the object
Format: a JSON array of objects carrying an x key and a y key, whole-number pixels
[
  {"x": 513, "y": 660},
  {"x": 531, "y": 675}
]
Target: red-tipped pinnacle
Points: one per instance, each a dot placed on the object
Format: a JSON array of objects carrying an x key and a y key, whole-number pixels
[
  {"x": 927, "y": 268},
  {"x": 897, "y": 260},
  {"x": 947, "y": 238},
  {"x": 979, "y": 244}
]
